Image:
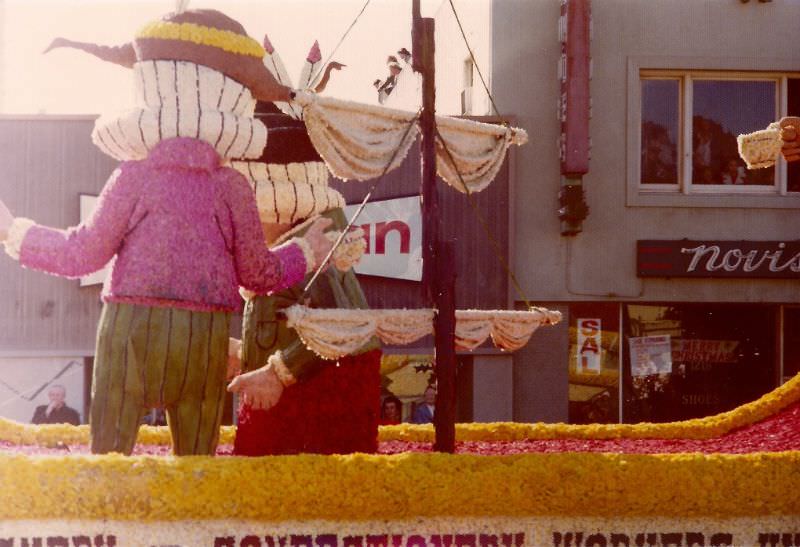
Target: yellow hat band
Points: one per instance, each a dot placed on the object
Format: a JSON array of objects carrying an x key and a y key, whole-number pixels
[{"x": 202, "y": 35}]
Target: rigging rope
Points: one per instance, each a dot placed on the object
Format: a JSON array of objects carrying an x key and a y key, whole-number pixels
[
  {"x": 475, "y": 61},
  {"x": 313, "y": 79},
  {"x": 496, "y": 246}
]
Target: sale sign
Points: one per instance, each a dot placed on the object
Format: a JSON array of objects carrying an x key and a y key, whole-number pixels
[{"x": 589, "y": 345}]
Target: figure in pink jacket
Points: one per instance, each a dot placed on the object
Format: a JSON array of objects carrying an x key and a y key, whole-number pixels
[{"x": 181, "y": 227}]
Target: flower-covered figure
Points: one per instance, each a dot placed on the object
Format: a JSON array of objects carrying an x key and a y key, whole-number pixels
[
  {"x": 294, "y": 400},
  {"x": 181, "y": 227}
]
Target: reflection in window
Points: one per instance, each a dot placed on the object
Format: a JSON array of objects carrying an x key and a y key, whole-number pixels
[
  {"x": 593, "y": 363},
  {"x": 660, "y": 131},
  {"x": 687, "y": 361},
  {"x": 723, "y": 109},
  {"x": 793, "y": 109},
  {"x": 791, "y": 350}
]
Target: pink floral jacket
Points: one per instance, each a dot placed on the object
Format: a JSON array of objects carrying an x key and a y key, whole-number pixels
[{"x": 184, "y": 232}]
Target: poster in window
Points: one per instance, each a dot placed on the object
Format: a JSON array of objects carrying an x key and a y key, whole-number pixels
[{"x": 651, "y": 355}]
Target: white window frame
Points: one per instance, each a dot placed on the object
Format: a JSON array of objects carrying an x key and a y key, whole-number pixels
[{"x": 684, "y": 194}]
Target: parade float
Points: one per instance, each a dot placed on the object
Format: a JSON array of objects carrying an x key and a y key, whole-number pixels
[{"x": 728, "y": 479}]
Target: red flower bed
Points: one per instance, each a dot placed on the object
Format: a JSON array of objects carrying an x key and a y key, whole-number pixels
[{"x": 777, "y": 433}]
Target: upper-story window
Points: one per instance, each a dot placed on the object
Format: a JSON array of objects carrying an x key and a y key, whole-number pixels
[{"x": 689, "y": 121}]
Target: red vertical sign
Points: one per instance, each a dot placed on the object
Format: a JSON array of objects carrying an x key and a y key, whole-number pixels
[{"x": 575, "y": 73}]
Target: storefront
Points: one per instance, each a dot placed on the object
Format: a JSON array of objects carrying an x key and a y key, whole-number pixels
[{"x": 661, "y": 362}]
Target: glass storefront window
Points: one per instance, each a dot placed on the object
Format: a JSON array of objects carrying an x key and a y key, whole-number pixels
[
  {"x": 687, "y": 361},
  {"x": 593, "y": 363},
  {"x": 791, "y": 348}
]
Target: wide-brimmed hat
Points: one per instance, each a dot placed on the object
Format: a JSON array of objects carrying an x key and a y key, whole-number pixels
[{"x": 205, "y": 37}]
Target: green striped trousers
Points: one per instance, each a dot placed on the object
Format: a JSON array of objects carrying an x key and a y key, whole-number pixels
[{"x": 169, "y": 358}]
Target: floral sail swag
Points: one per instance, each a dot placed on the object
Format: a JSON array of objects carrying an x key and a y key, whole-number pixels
[
  {"x": 358, "y": 141},
  {"x": 333, "y": 333}
]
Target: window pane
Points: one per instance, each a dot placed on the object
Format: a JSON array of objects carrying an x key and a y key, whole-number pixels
[
  {"x": 723, "y": 109},
  {"x": 687, "y": 361},
  {"x": 793, "y": 168},
  {"x": 593, "y": 363},
  {"x": 791, "y": 351},
  {"x": 660, "y": 110}
]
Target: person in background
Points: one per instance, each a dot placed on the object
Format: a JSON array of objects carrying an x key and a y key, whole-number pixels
[
  {"x": 57, "y": 412},
  {"x": 425, "y": 411},
  {"x": 790, "y": 133},
  {"x": 734, "y": 173},
  {"x": 391, "y": 411}
]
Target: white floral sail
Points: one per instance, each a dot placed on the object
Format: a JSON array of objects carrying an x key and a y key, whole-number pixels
[
  {"x": 358, "y": 141},
  {"x": 333, "y": 333}
]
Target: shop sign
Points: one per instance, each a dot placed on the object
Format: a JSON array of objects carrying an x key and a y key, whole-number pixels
[
  {"x": 393, "y": 230},
  {"x": 693, "y": 351},
  {"x": 725, "y": 259},
  {"x": 589, "y": 344}
]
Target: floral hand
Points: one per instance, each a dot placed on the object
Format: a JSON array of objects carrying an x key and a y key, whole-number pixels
[
  {"x": 790, "y": 133},
  {"x": 260, "y": 388},
  {"x": 5, "y": 221},
  {"x": 320, "y": 244}
]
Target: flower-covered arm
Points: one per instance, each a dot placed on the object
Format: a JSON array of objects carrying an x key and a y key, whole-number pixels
[
  {"x": 85, "y": 248},
  {"x": 295, "y": 362},
  {"x": 259, "y": 269}
]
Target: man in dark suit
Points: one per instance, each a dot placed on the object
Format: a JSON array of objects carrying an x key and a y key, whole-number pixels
[
  {"x": 423, "y": 414},
  {"x": 57, "y": 412}
]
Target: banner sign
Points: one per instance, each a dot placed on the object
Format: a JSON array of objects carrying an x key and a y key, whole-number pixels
[
  {"x": 589, "y": 345},
  {"x": 393, "y": 230},
  {"x": 428, "y": 532},
  {"x": 727, "y": 259}
]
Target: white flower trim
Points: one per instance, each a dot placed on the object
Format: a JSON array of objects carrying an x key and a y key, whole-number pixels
[
  {"x": 333, "y": 333},
  {"x": 308, "y": 252},
  {"x": 761, "y": 149},
  {"x": 16, "y": 235},
  {"x": 234, "y": 348},
  {"x": 350, "y": 251},
  {"x": 357, "y": 141},
  {"x": 281, "y": 370},
  {"x": 246, "y": 294},
  {"x": 183, "y": 99}
]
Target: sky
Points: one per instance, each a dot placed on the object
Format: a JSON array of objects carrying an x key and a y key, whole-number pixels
[{"x": 71, "y": 82}]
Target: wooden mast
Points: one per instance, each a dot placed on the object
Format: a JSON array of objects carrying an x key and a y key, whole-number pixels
[{"x": 438, "y": 266}]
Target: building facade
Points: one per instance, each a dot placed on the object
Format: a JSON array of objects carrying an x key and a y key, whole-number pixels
[{"x": 681, "y": 293}]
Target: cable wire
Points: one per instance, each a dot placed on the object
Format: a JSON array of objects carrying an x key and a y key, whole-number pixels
[
  {"x": 496, "y": 246},
  {"x": 474, "y": 61},
  {"x": 313, "y": 79}
]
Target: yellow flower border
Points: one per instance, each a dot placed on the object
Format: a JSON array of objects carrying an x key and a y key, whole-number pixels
[
  {"x": 700, "y": 428},
  {"x": 198, "y": 34},
  {"x": 364, "y": 487}
]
